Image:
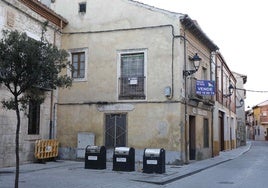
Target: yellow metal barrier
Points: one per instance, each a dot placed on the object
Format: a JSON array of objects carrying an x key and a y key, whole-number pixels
[{"x": 45, "y": 149}]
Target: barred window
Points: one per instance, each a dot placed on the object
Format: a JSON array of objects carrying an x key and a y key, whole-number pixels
[
  {"x": 82, "y": 7},
  {"x": 132, "y": 77}
]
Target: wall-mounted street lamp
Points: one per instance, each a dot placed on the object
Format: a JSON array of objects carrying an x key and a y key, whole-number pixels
[
  {"x": 196, "y": 63},
  {"x": 231, "y": 91},
  {"x": 241, "y": 103}
]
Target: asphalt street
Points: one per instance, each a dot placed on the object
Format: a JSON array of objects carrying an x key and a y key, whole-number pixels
[{"x": 246, "y": 171}]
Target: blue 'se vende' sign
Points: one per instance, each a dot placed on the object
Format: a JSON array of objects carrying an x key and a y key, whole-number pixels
[{"x": 205, "y": 87}]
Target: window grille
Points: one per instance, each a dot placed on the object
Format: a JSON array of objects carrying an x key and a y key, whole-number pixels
[
  {"x": 132, "y": 79},
  {"x": 33, "y": 118},
  {"x": 82, "y": 7}
]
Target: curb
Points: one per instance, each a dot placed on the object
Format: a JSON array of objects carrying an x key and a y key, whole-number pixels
[{"x": 176, "y": 176}]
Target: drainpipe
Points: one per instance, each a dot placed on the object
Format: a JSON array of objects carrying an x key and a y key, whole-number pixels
[
  {"x": 212, "y": 109},
  {"x": 185, "y": 107},
  {"x": 51, "y": 102},
  {"x": 50, "y": 115}
]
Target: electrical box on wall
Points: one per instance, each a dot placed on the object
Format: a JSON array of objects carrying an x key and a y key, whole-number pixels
[
  {"x": 167, "y": 91},
  {"x": 83, "y": 140}
]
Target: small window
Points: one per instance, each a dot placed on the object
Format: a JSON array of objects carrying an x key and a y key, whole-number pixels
[
  {"x": 34, "y": 118},
  {"x": 78, "y": 66},
  {"x": 78, "y": 63},
  {"x": 82, "y": 7},
  {"x": 10, "y": 19}
]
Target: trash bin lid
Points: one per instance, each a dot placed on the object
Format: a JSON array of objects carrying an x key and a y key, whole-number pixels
[
  {"x": 93, "y": 149},
  {"x": 121, "y": 150},
  {"x": 152, "y": 152}
]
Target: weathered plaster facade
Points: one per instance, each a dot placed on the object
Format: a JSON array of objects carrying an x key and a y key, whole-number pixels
[
  {"x": 224, "y": 114},
  {"x": 241, "y": 136},
  {"x": 15, "y": 15},
  {"x": 103, "y": 32},
  {"x": 260, "y": 121}
]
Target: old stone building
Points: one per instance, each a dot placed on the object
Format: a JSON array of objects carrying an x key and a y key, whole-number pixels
[{"x": 27, "y": 16}]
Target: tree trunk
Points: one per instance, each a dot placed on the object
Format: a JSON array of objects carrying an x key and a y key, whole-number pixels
[{"x": 17, "y": 143}]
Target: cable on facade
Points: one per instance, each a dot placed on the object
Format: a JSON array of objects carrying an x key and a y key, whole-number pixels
[{"x": 250, "y": 90}]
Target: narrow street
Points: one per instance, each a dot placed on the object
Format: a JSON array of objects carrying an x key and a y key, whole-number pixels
[
  {"x": 247, "y": 171},
  {"x": 237, "y": 168}
]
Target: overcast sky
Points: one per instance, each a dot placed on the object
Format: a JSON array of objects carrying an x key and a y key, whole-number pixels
[{"x": 240, "y": 29}]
